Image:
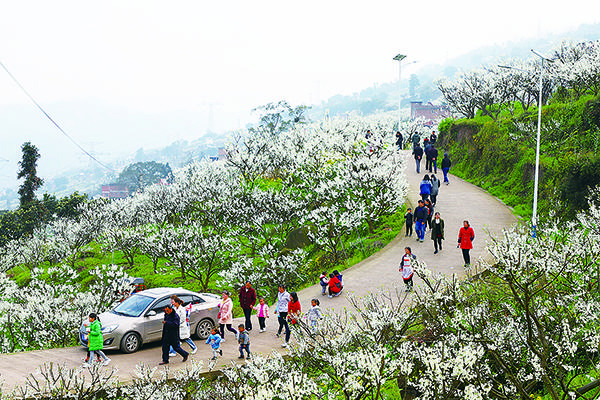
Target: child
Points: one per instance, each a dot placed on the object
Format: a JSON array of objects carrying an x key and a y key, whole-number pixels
[
  {"x": 314, "y": 314},
  {"x": 215, "y": 343},
  {"x": 244, "y": 341},
  {"x": 323, "y": 281},
  {"x": 408, "y": 217},
  {"x": 262, "y": 312},
  {"x": 406, "y": 268},
  {"x": 95, "y": 341}
]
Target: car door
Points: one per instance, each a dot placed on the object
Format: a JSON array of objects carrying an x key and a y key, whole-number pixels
[{"x": 153, "y": 325}]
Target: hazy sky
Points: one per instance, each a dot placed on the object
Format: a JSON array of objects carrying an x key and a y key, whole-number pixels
[{"x": 158, "y": 56}]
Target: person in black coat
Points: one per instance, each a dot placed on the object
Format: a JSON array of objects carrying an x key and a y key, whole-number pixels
[
  {"x": 433, "y": 156},
  {"x": 399, "y": 140},
  {"x": 420, "y": 218},
  {"x": 418, "y": 154},
  {"x": 446, "y": 164},
  {"x": 170, "y": 336}
]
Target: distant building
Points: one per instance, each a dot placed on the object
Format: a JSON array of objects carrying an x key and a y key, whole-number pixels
[
  {"x": 114, "y": 191},
  {"x": 222, "y": 155},
  {"x": 430, "y": 113}
]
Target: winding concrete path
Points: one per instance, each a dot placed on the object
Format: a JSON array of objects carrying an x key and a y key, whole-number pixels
[{"x": 456, "y": 202}]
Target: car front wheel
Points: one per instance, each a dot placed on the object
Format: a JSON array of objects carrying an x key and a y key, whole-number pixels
[
  {"x": 203, "y": 329},
  {"x": 131, "y": 343}
]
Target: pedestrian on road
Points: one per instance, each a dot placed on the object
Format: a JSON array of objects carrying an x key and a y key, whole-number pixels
[
  {"x": 184, "y": 325},
  {"x": 294, "y": 309},
  {"x": 421, "y": 215},
  {"x": 416, "y": 139},
  {"x": 244, "y": 341},
  {"x": 283, "y": 299},
  {"x": 262, "y": 312},
  {"x": 446, "y": 164},
  {"x": 314, "y": 314},
  {"x": 425, "y": 187},
  {"x": 215, "y": 343},
  {"x": 335, "y": 286},
  {"x": 247, "y": 298},
  {"x": 226, "y": 315},
  {"x": 399, "y": 140},
  {"x": 435, "y": 189},
  {"x": 426, "y": 148},
  {"x": 430, "y": 211},
  {"x": 432, "y": 138},
  {"x": 95, "y": 341},
  {"x": 406, "y": 268},
  {"x": 418, "y": 154},
  {"x": 408, "y": 219},
  {"x": 323, "y": 281},
  {"x": 466, "y": 235},
  {"x": 170, "y": 335},
  {"x": 433, "y": 156},
  {"x": 437, "y": 232}
]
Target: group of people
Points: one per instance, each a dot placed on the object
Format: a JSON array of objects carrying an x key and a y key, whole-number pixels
[
  {"x": 332, "y": 283},
  {"x": 431, "y": 154}
]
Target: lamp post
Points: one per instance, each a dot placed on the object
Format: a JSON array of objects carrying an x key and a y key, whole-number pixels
[
  {"x": 537, "y": 144},
  {"x": 399, "y": 58}
]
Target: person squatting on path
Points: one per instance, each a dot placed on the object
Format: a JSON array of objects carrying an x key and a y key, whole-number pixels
[
  {"x": 184, "y": 325},
  {"x": 95, "y": 341},
  {"x": 247, "y": 298},
  {"x": 466, "y": 235},
  {"x": 244, "y": 341},
  {"x": 406, "y": 268},
  {"x": 226, "y": 315},
  {"x": 421, "y": 215},
  {"x": 408, "y": 219},
  {"x": 418, "y": 154},
  {"x": 437, "y": 232},
  {"x": 446, "y": 164},
  {"x": 283, "y": 299},
  {"x": 335, "y": 286},
  {"x": 214, "y": 339},
  {"x": 170, "y": 336},
  {"x": 435, "y": 189},
  {"x": 425, "y": 187},
  {"x": 262, "y": 312},
  {"x": 314, "y": 314}
]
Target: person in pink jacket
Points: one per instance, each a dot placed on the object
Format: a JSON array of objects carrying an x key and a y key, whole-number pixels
[
  {"x": 262, "y": 312},
  {"x": 226, "y": 315},
  {"x": 465, "y": 242}
]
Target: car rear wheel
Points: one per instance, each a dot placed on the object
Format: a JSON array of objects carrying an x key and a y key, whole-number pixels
[
  {"x": 203, "y": 329},
  {"x": 131, "y": 343}
]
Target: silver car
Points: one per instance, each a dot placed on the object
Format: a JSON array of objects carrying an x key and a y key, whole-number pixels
[{"x": 138, "y": 319}]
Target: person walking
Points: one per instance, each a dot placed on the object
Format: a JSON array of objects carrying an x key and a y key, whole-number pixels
[
  {"x": 406, "y": 268},
  {"x": 446, "y": 164},
  {"x": 184, "y": 325},
  {"x": 421, "y": 215},
  {"x": 408, "y": 219},
  {"x": 425, "y": 187},
  {"x": 170, "y": 336},
  {"x": 418, "y": 154},
  {"x": 433, "y": 156},
  {"x": 226, "y": 316},
  {"x": 435, "y": 189},
  {"x": 244, "y": 341},
  {"x": 416, "y": 139},
  {"x": 215, "y": 343},
  {"x": 95, "y": 341},
  {"x": 432, "y": 137},
  {"x": 466, "y": 235},
  {"x": 426, "y": 148},
  {"x": 399, "y": 140},
  {"x": 437, "y": 232},
  {"x": 247, "y": 298},
  {"x": 283, "y": 299},
  {"x": 262, "y": 312},
  {"x": 314, "y": 314},
  {"x": 430, "y": 211}
]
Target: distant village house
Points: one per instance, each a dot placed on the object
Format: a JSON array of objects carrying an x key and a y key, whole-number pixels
[
  {"x": 430, "y": 113},
  {"x": 115, "y": 191}
]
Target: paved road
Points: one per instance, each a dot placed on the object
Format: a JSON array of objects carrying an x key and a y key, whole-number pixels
[{"x": 456, "y": 202}]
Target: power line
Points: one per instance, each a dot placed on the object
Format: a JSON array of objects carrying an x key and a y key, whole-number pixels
[{"x": 54, "y": 122}]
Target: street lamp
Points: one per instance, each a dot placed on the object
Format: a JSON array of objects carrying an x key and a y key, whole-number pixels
[
  {"x": 399, "y": 58},
  {"x": 537, "y": 144}
]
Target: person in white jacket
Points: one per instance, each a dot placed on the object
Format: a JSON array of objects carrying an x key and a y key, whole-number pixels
[
  {"x": 406, "y": 268},
  {"x": 184, "y": 325}
]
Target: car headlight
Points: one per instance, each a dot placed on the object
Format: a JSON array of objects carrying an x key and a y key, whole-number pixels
[{"x": 109, "y": 328}]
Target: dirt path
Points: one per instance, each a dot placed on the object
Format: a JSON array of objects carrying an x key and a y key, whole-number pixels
[{"x": 456, "y": 202}]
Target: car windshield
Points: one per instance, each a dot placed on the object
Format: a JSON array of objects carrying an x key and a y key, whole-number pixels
[{"x": 133, "y": 306}]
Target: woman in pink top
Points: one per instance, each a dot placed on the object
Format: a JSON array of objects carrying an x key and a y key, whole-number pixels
[
  {"x": 226, "y": 315},
  {"x": 465, "y": 241}
]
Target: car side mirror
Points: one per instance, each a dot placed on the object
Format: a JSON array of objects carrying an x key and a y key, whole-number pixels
[{"x": 151, "y": 313}]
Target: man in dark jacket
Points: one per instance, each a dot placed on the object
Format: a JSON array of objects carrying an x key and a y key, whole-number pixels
[
  {"x": 170, "y": 336},
  {"x": 247, "y": 302},
  {"x": 433, "y": 156},
  {"x": 418, "y": 153},
  {"x": 421, "y": 215},
  {"x": 399, "y": 140},
  {"x": 446, "y": 164}
]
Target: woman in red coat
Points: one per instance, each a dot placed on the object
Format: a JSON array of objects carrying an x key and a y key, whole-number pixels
[{"x": 465, "y": 242}]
